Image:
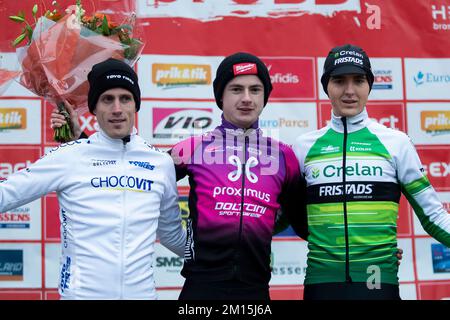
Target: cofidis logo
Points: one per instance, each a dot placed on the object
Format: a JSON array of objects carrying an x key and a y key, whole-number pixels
[
  {"x": 171, "y": 75},
  {"x": 292, "y": 78}
]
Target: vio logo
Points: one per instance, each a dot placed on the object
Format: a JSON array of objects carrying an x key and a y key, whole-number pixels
[{"x": 236, "y": 174}]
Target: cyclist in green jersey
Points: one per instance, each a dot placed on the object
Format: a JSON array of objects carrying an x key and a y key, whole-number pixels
[{"x": 352, "y": 213}]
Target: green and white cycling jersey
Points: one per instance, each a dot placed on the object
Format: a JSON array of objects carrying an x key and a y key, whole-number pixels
[{"x": 352, "y": 213}]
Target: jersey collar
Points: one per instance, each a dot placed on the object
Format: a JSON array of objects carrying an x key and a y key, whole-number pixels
[{"x": 354, "y": 123}]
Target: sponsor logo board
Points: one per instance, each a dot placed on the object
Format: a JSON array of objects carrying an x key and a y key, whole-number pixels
[
  {"x": 286, "y": 121},
  {"x": 170, "y": 122},
  {"x": 293, "y": 78},
  {"x": 20, "y": 265},
  {"x": 14, "y": 159},
  {"x": 427, "y": 79},
  {"x": 172, "y": 77},
  {"x": 11, "y": 265},
  {"x": 426, "y": 258},
  {"x": 288, "y": 261},
  {"x": 429, "y": 123},
  {"x": 20, "y": 121},
  {"x": 22, "y": 223},
  {"x": 167, "y": 267},
  {"x": 436, "y": 163}
]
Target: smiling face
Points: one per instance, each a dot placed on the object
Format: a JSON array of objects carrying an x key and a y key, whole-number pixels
[
  {"x": 348, "y": 94},
  {"x": 243, "y": 100},
  {"x": 115, "y": 111}
]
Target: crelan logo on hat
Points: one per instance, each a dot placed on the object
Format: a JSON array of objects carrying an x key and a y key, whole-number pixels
[{"x": 245, "y": 68}]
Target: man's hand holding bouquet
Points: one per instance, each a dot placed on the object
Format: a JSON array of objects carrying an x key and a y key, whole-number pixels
[{"x": 64, "y": 45}]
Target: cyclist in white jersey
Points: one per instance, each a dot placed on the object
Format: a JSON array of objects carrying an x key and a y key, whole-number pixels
[{"x": 116, "y": 195}]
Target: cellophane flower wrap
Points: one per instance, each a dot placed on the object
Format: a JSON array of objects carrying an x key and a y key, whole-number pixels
[
  {"x": 8, "y": 72},
  {"x": 56, "y": 62}
]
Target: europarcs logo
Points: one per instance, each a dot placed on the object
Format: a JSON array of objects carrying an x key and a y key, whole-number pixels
[{"x": 422, "y": 78}]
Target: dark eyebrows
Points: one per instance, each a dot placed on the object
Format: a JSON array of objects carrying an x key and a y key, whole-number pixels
[{"x": 342, "y": 76}]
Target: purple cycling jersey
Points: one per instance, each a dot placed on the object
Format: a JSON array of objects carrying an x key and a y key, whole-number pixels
[{"x": 239, "y": 179}]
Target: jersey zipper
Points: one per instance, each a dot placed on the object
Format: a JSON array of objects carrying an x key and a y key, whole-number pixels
[
  {"x": 124, "y": 213},
  {"x": 241, "y": 217},
  {"x": 348, "y": 279}
]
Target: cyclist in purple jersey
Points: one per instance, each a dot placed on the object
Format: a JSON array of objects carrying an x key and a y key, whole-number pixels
[{"x": 239, "y": 180}]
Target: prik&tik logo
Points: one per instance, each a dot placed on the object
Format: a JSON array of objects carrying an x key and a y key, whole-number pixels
[
  {"x": 175, "y": 75},
  {"x": 13, "y": 118},
  {"x": 435, "y": 122}
]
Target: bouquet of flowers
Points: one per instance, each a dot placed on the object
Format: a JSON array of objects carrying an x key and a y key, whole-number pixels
[{"x": 64, "y": 45}]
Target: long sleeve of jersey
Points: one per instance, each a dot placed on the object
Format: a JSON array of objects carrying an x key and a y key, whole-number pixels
[
  {"x": 421, "y": 194},
  {"x": 293, "y": 197},
  {"x": 170, "y": 230},
  {"x": 43, "y": 176}
]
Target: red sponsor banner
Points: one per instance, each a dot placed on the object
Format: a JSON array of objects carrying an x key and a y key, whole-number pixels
[
  {"x": 436, "y": 162},
  {"x": 404, "y": 221},
  {"x": 439, "y": 290},
  {"x": 52, "y": 295},
  {"x": 391, "y": 115},
  {"x": 293, "y": 292},
  {"x": 292, "y": 78},
  {"x": 20, "y": 295},
  {"x": 52, "y": 224},
  {"x": 13, "y": 159}
]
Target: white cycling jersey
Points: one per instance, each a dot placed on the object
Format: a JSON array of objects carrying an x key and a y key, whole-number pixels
[{"x": 114, "y": 199}]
